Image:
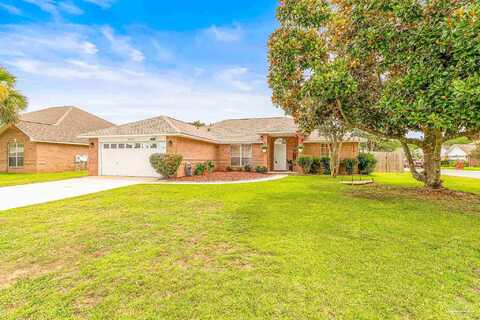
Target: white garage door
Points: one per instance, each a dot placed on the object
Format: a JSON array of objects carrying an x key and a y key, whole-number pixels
[{"x": 130, "y": 159}]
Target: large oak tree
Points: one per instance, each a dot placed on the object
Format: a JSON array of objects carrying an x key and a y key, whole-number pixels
[{"x": 391, "y": 68}]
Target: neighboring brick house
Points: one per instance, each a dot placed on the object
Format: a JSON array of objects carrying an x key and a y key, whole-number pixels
[
  {"x": 270, "y": 142},
  {"x": 47, "y": 140},
  {"x": 461, "y": 152}
]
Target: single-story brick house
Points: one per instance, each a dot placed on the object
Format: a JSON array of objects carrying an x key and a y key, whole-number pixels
[
  {"x": 47, "y": 140},
  {"x": 461, "y": 152},
  {"x": 270, "y": 142}
]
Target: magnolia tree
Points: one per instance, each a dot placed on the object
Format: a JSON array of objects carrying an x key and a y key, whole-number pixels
[
  {"x": 405, "y": 69},
  {"x": 11, "y": 101}
]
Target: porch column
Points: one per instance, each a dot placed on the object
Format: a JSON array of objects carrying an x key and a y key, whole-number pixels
[
  {"x": 300, "y": 142},
  {"x": 265, "y": 154}
]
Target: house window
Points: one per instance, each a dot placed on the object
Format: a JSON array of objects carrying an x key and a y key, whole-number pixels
[
  {"x": 16, "y": 155},
  {"x": 324, "y": 149},
  {"x": 240, "y": 155}
]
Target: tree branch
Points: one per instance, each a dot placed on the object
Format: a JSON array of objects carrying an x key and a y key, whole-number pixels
[
  {"x": 418, "y": 176},
  {"x": 414, "y": 141},
  {"x": 470, "y": 134}
]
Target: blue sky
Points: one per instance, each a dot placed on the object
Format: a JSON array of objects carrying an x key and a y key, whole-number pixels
[{"x": 127, "y": 60}]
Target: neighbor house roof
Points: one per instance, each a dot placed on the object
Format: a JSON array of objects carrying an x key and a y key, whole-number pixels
[
  {"x": 59, "y": 125},
  {"x": 467, "y": 148},
  {"x": 247, "y": 130}
]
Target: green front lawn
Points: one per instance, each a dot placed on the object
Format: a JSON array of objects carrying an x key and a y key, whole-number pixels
[
  {"x": 405, "y": 179},
  {"x": 297, "y": 248},
  {"x": 13, "y": 179}
]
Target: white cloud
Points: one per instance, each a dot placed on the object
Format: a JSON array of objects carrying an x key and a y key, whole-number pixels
[
  {"x": 48, "y": 6},
  {"x": 56, "y": 7},
  {"x": 101, "y": 3},
  {"x": 225, "y": 34},
  {"x": 44, "y": 41},
  {"x": 121, "y": 45},
  {"x": 232, "y": 76},
  {"x": 65, "y": 64},
  {"x": 124, "y": 95},
  {"x": 161, "y": 52},
  {"x": 11, "y": 9},
  {"x": 70, "y": 7}
]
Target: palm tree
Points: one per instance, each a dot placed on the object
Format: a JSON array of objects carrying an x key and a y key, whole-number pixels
[{"x": 11, "y": 100}]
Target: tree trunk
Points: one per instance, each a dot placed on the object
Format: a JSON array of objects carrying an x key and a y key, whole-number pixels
[
  {"x": 432, "y": 158},
  {"x": 334, "y": 149},
  {"x": 432, "y": 148}
]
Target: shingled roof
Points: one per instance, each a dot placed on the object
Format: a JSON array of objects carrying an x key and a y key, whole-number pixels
[
  {"x": 159, "y": 125},
  {"x": 250, "y": 129},
  {"x": 247, "y": 130},
  {"x": 60, "y": 125}
]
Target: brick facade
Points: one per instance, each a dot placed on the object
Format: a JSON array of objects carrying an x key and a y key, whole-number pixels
[
  {"x": 12, "y": 135},
  {"x": 39, "y": 157},
  {"x": 93, "y": 149},
  {"x": 53, "y": 157},
  {"x": 195, "y": 151}
]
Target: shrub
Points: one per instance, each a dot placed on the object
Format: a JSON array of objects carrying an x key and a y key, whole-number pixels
[
  {"x": 325, "y": 164},
  {"x": 366, "y": 163},
  {"x": 305, "y": 162},
  {"x": 350, "y": 165},
  {"x": 448, "y": 163},
  {"x": 166, "y": 164},
  {"x": 261, "y": 169},
  {"x": 200, "y": 169},
  {"x": 210, "y": 166},
  {"x": 247, "y": 168},
  {"x": 316, "y": 166},
  {"x": 229, "y": 169}
]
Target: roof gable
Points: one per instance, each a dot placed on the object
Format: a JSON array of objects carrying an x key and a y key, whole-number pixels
[
  {"x": 466, "y": 149},
  {"x": 162, "y": 125},
  {"x": 49, "y": 116},
  {"x": 59, "y": 125}
]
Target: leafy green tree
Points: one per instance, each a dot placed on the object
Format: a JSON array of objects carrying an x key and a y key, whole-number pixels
[
  {"x": 476, "y": 153},
  {"x": 389, "y": 67},
  {"x": 197, "y": 123},
  {"x": 11, "y": 100},
  {"x": 460, "y": 140},
  {"x": 376, "y": 143}
]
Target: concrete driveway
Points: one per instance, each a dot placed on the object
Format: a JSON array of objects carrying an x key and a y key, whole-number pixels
[
  {"x": 461, "y": 173},
  {"x": 36, "y": 193}
]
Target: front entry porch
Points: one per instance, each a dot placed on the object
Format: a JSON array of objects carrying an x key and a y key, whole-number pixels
[{"x": 282, "y": 152}]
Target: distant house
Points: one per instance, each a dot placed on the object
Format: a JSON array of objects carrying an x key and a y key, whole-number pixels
[
  {"x": 47, "y": 140},
  {"x": 273, "y": 143},
  {"x": 460, "y": 152}
]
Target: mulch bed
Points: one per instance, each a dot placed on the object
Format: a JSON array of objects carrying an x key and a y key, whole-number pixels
[{"x": 223, "y": 176}]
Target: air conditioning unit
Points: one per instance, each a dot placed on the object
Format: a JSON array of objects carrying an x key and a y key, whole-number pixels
[{"x": 79, "y": 158}]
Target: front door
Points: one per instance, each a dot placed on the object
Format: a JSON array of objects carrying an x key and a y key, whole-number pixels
[{"x": 280, "y": 156}]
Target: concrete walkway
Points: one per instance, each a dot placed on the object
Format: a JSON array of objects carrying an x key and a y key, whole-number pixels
[
  {"x": 461, "y": 173},
  {"x": 36, "y": 193}
]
